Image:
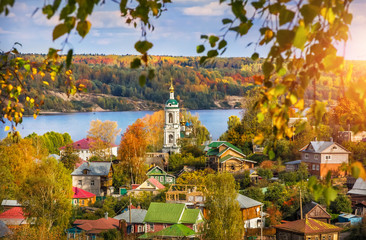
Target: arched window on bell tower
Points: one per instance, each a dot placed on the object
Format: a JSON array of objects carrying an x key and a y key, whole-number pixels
[
  {"x": 170, "y": 117},
  {"x": 171, "y": 138}
]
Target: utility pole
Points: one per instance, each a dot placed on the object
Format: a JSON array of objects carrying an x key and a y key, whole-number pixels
[
  {"x": 129, "y": 210},
  {"x": 300, "y": 204}
]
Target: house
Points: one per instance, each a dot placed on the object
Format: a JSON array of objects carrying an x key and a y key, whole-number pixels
[
  {"x": 322, "y": 156},
  {"x": 4, "y": 230},
  {"x": 84, "y": 148},
  {"x": 94, "y": 177},
  {"x": 176, "y": 231},
  {"x": 14, "y": 217},
  {"x": 150, "y": 185},
  {"x": 160, "y": 175},
  {"x": 360, "y": 208},
  {"x": 251, "y": 211},
  {"x": 91, "y": 228},
  {"x": 358, "y": 192},
  {"x": 292, "y": 166},
  {"x": 191, "y": 195},
  {"x": 349, "y": 136},
  {"x": 315, "y": 211},
  {"x": 225, "y": 157},
  {"x": 157, "y": 159},
  {"x": 8, "y": 204},
  {"x": 136, "y": 223},
  {"x": 307, "y": 229},
  {"x": 82, "y": 198},
  {"x": 352, "y": 219},
  {"x": 162, "y": 215}
]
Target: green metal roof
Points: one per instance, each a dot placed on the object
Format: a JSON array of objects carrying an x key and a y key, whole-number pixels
[
  {"x": 190, "y": 216},
  {"x": 212, "y": 152},
  {"x": 172, "y": 102},
  {"x": 219, "y": 143},
  {"x": 176, "y": 230},
  {"x": 227, "y": 157},
  {"x": 164, "y": 212}
]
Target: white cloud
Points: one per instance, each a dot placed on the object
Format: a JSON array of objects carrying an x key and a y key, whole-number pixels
[
  {"x": 104, "y": 41},
  {"x": 108, "y": 19},
  {"x": 210, "y": 9},
  {"x": 2, "y": 31}
]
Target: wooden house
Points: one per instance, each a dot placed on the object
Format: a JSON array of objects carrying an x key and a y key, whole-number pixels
[
  {"x": 315, "y": 211},
  {"x": 358, "y": 192},
  {"x": 162, "y": 215},
  {"x": 225, "y": 157},
  {"x": 94, "y": 177},
  {"x": 323, "y": 156},
  {"x": 134, "y": 221},
  {"x": 82, "y": 198},
  {"x": 160, "y": 175},
  {"x": 307, "y": 229},
  {"x": 150, "y": 185},
  {"x": 14, "y": 217}
]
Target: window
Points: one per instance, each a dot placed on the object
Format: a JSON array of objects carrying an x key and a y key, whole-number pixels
[
  {"x": 317, "y": 167},
  {"x": 328, "y": 157},
  {"x": 316, "y": 238},
  {"x": 169, "y": 179},
  {"x": 162, "y": 179},
  {"x": 82, "y": 202},
  {"x": 323, "y": 238},
  {"x": 329, "y": 237},
  {"x": 306, "y": 156},
  {"x": 148, "y": 184},
  {"x": 75, "y": 201},
  {"x": 334, "y": 147},
  {"x": 152, "y": 227},
  {"x": 80, "y": 182},
  {"x": 316, "y": 157},
  {"x": 171, "y": 138},
  {"x": 165, "y": 226},
  {"x": 140, "y": 229},
  {"x": 170, "y": 117},
  {"x": 313, "y": 166},
  {"x": 92, "y": 182}
]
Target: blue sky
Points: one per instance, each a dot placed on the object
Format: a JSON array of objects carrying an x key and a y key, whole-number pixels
[{"x": 177, "y": 31}]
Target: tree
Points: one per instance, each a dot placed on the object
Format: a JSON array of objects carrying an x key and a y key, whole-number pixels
[
  {"x": 276, "y": 193},
  {"x": 265, "y": 173},
  {"x": 132, "y": 151},
  {"x": 69, "y": 158},
  {"x": 46, "y": 194},
  {"x": 224, "y": 217},
  {"x": 255, "y": 193},
  {"x": 103, "y": 134},
  {"x": 341, "y": 204},
  {"x": 155, "y": 130}
]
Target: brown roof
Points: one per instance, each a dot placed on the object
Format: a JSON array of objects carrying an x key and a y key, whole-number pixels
[
  {"x": 308, "y": 226},
  {"x": 96, "y": 226}
]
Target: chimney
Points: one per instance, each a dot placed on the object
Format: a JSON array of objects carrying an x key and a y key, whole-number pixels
[{"x": 106, "y": 215}]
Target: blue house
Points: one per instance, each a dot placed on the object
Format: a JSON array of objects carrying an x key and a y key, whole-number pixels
[{"x": 347, "y": 217}]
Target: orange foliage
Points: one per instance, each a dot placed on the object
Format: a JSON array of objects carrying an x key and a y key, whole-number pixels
[
  {"x": 154, "y": 125},
  {"x": 267, "y": 164}
]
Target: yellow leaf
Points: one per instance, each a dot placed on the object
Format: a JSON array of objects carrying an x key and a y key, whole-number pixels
[
  {"x": 27, "y": 98},
  {"x": 46, "y": 83},
  {"x": 300, "y": 104},
  {"x": 34, "y": 116},
  {"x": 19, "y": 89},
  {"x": 32, "y": 100},
  {"x": 34, "y": 71},
  {"x": 7, "y": 128}
]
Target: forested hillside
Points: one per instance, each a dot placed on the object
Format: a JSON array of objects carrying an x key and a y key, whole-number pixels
[{"x": 112, "y": 85}]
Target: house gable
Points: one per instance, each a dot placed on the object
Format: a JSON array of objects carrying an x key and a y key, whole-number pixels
[
  {"x": 318, "y": 212},
  {"x": 156, "y": 171}
]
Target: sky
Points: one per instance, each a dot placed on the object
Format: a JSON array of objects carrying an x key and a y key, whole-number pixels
[{"x": 177, "y": 32}]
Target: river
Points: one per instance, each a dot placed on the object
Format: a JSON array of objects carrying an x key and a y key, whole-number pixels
[{"x": 77, "y": 124}]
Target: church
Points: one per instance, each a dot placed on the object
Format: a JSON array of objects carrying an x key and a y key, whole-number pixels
[{"x": 172, "y": 126}]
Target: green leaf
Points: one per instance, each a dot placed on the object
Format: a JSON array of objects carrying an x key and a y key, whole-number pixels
[
  {"x": 69, "y": 58},
  {"x": 48, "y": 10},
  {"x": 275, "y": 8},
  {"x": 212, "y": 53},
  {"x": 136, "y": 63},
  {"x": 309, "y": 12},
  {"x": 244, "y": 28},
  {"x": 222, "y": 44},
  {"x": 259, "y": 4},
  {"x": 285, "y": 38},
  {"x": 212, "y": 40},
  {"x": 151, "y": 74},
  {"x": 280, "y": 89},
  {"x": 203, "y": 60},
  {"x": 300, "y": 37},
  {"x": 267, "y": 68},
  {"x": 281, "y": 72},
  {"x": 83, "y": 28},
  {"x": 142, "y": 80},
  {"x": 143, "y": 46},
  {"x": 204, "y": 37},
  {"x": 226, "y": 21},
  {"x": 271, "y": 154},
  {"x": 286, "y": 16},
  {"x": 260, "y": 117},
  {"x": 122, "y": 6},
  {"x": 255, "y": 56},
  {"x": 59, "y": 30},
  {"x": 200, "y": 48},
  {"x": 27, "y": 67}
]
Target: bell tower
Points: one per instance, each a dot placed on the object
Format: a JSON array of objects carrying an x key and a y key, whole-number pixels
[{"x": 172, "y": 124}]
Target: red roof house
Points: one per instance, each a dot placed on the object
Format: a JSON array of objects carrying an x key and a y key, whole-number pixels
[
  {"x": 82, "y": 197},
  {"x": 13, "y": 217},
  {"x": 151, "y": 185}
]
